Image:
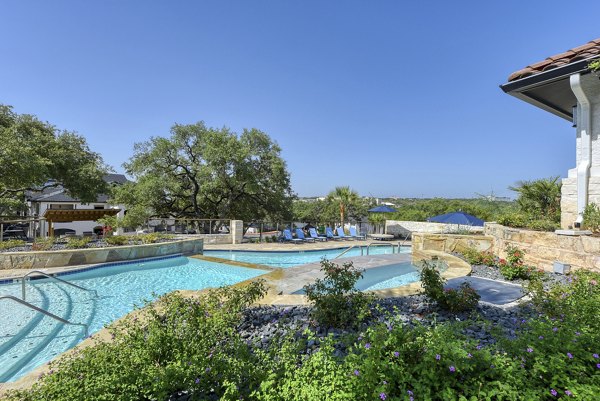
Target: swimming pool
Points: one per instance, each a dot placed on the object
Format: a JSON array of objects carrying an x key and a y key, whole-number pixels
[
  {"x": 297, "y": 257},
  {"x": 29, "y": 339}
]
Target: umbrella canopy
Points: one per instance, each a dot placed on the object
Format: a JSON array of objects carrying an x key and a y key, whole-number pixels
[
  {"x": 382, "y": 209},
  {"x": 457, "y": 218}
]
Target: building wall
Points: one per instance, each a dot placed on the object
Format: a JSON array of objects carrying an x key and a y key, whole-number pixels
[
  {"x": 591, "y": 85},
  {"x": 79, "y": 226}
]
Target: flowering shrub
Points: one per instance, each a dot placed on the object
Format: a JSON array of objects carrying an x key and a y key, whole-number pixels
[
  {"x": 513, "y": 268},
  {"x": 475, "y": 257},
  {"x": 454, "y": 300},
  {"x": 336, "y": 301}
]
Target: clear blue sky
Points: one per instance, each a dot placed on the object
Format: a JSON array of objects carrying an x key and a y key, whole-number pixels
[{"x": 388, "y": 97}]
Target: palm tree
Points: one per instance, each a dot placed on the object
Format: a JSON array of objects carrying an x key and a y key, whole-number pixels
[
  {"x": 539, "y": 198},
  {"x": 343, "y": 196}
]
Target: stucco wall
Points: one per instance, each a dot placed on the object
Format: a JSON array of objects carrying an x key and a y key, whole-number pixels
[
  {"x": 45, "y": 259},
  {"x": 402, "y": 228},
  {"x": 543, "y": 248}
]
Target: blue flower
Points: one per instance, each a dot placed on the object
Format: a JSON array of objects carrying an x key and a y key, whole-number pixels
[
  {"x": 356, "y": 372},
  {"x": 452, "y": 369},
  {"x": 553, "y": 392},
  {"x": 382, "y": 396},
  {"x": 438, "y": 357}
]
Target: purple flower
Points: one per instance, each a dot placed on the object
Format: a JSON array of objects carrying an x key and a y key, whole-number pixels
[
  {"x": 382, "y": 396},
  {"x": 529, "y": 350},
  {"x": 598, "y": 365},
  {"x": 396, "y": 354},
  {"x": 384, "y": 382},
  {"x": 368, "y": 345},
  {"x": 409, "y": 392},
  {"x": 356, "y": 372},
  {"x": 567, "y": 392},
  {"x": 207, "y": 370},
  {"x": 595, "y": 356},
  {"x": 553, "y": 392},
  {"x": 555, "y": 329},
  {"x": 541, "y": 337},
  {"x": 479, "y": 346},
  {"x": 570, "y": 355},
  {"x": 452, "y": 369},
  {"x": 577, "y": 333},
  {"x": 469, "y": 355},
  {"x": 438, "y": 357},
  {"x": 197, "y": 381}
]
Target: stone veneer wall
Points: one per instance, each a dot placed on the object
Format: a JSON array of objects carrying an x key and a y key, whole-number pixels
[
  {"x": 73, "y": 257},
  {"x": 449, "y": 243},
  {"x": 402, "y": 228},
  {"x": 543, "y": 248},
  {"x": 214, "y": 239},
  {"x": 568, "y": 200}
]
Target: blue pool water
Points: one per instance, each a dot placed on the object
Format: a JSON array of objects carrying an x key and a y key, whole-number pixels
[
  {"x": 297, "y": 257},
  {"x": 29, "y": 339}
]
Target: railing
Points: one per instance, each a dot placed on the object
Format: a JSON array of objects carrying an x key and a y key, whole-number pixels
[
  {"x": 382, "y": 244},
  {"x": 348, "y": 250},
  {"x": 24, "y": 279},
  {"x": 45, "y": 312}
]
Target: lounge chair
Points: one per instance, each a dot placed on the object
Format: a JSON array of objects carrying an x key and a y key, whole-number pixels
[
  {"x": 342, "y": 235},
  {"x": 300, "y": 235},
  {"x": 315, "y": 236},
  {"x": 355, "y": 234},
  {"x": 287, "y": 237},
  {"x": 329, "y": 234}
]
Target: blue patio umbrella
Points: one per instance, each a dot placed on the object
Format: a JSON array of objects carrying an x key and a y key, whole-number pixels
[
  {"x": 460, "y": 218},
  {"x": 382, "y": 209}
]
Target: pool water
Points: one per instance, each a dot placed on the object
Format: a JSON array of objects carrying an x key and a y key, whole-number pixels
[
  {"x": 29, "y": 339},
  {"x": 286, "y": 259}
]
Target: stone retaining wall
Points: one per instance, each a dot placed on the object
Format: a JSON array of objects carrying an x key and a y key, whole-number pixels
[
  {"x": 403, "y": 228},
  {"x": 543, "y": 248},
  {"x": 72, "y": 257},
  {"x": 449, "y": 243}
]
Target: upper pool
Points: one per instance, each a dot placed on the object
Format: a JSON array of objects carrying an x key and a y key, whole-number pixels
[
  {"x": 296, "y": 257},
  {"x": 29, "y": 339}
]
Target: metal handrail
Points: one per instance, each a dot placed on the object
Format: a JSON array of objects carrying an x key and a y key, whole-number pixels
[
  {"x": 401, "y": 243},
  {"x": 45, "y": 312},
  {"x": 347, "y": 250},
  {"x": 382, "y": 244},
  {"x": 23, "y": 282}
]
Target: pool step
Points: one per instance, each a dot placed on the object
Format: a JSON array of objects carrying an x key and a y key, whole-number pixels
[{"x": 234, "y": 262}]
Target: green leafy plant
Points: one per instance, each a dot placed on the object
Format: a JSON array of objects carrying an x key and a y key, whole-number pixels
[
  {"x": 591, "y": 218},
  {"x": 43, "y": 244},
  {"x": 76, "y": 243},
  {"x": 11, "y": 243},
  {"x": 513, "y": 267},
  {"x": 336, "y": 301},
  {"x": 116, "y": 240},
  {"x": 459, "y": 299},
  {"x": 475, "y": 257}
]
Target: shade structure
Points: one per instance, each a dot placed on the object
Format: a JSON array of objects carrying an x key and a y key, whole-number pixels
[
  {"x": 382, "y": 209},
  {"x": 457, "y": 218}
]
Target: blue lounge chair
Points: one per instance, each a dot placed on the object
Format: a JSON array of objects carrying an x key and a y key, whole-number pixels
[
  {"x": 330, "y": 235},
  {"x": 287, "y": 237},
  {"x": 300, "y": 235},
  {"x": 315, "y": 236},
  {"x": 355, "y": 234},
  {"x": 342, "y": 235}
]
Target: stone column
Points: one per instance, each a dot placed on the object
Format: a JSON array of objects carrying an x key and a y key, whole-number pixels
[{"x": 237, "y": 231}]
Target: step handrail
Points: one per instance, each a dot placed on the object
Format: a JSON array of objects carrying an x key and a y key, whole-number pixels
[
  {"x": 383, "y": 244},
  {"x": 23, "y": 282},
  {"x": 45, "y": 312},
  {"x": 347, "y": 250}
]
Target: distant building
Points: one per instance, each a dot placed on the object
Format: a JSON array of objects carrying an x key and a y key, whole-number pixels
[{"x": 56, "y": 198}]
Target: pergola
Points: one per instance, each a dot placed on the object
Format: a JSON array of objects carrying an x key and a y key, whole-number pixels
[{"x": 63, "y": 216}]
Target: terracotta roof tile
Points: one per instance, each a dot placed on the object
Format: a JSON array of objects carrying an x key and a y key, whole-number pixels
[{"x": 578, "y": 53}]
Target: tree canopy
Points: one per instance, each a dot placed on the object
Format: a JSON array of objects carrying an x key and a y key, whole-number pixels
[
  {"x": 34, "y": 155},
  {"x": 203, "y": 172}
]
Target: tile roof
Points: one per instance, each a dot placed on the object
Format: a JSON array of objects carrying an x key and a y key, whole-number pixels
[{"x": 587, "y": 51}]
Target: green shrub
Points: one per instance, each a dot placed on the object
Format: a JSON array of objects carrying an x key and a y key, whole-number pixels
[
  {"x": 76, "y": 243},
  {"x": 116, "y": 239},
  {"x": 183, "y": 343},
  {"x": 517, "y": 220},
  {"x": 591, "y": 218},
  {"x": 43, "y": 244},
  {"x": 149, "y": 238},
  {"x": 513, "y": 267},
  {"x": 475, "y": 257},
  {"x": 454, "y": 300},
  {"x": 11, "y": 243},
  {"x": 336, "y": 301}
]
